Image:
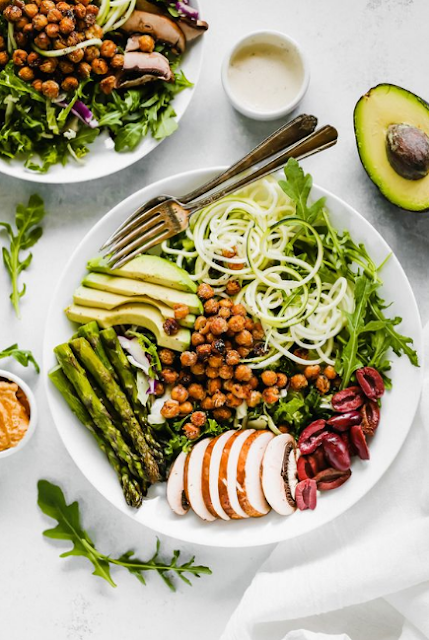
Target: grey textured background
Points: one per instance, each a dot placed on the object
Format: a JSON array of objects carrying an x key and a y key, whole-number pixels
[{"x": 351, "y": 46}]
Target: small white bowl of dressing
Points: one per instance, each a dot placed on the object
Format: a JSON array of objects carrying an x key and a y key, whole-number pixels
[
  {"x": 18, "y": 411},
  {"x": 265, "y": 75}
]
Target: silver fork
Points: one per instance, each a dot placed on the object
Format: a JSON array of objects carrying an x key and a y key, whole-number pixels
[
  {"x": 285, "y": 136},
  {"x": 170, "y": 217}
]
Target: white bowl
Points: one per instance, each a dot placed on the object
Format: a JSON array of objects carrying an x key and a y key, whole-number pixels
[
  {"x": 266, "y": 37},
  {"x": 33, "y": 412},
  {"x": 396, "y": 416}
]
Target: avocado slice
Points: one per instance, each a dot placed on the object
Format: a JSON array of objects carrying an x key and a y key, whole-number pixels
[
  {"x": 392, "y": 129},
  {"x": 130, "y": 288},
  {"x": 87, "y": 297},
  {"x": 142, "y": 315},
  {"x": 149, "y": 269}
]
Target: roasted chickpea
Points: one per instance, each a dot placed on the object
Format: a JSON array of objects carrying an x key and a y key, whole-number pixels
[
  {"x": 54, "y": 16},
  {"x": 200, "y": 323},
  {"x": 108, "y": 84},
  {"x": 243, "y": 373},
  {"x": 67, "y": 25},
  {"x": 215, "y": 361},
  {"x": 166, "y": 356},
  {"x": 236, "y": 323},
  {"x": 244, "y": 352},
  {"x": 301, "y": 353},
  {"x": 232, "y": 401},
  {"x": 211, "y": 306},
  {"x": 117, "y": 62},
  {"x": 169, "y": 376},
  {"x": 49, "y": 65},
  {"x": 281, "y": 380},
  {"x": 253, "y": 382},
  {"x": 50, "y": 89},
  {"x": 330, "y": 372},
  {"x": 322, "y": 384},
  {"x": 211, "y": 372},
  {"x": 146, "y": 44},
  {"x": 21, "y": 24},
  {"x": 196, "y": 391},
  {"x": 188, "y": 358},
  {"x": 180, "y": 311},
  {"x": 92, "y": 9},
  {"x": 39, "y": 22},
  {"x": 198, "y": 418},
  {"x": 226, "y": 303},
  {"x": 197, "y": 339},
  {"x": 249, "y": 324},
  {"x": 4, "y": 58},
  {"x": 207, "y": 404},
  {"x": 28, "y": 29},
  {"x": 226, "y": 372},
  {"x": 223, "y": 414},
  {"x": 159, "y": 388},
  {"x": 89, "y": 20},
  {"x": 80, "y": 11},
  {"x": 72, "y": 39},
  {"x": 46, "y": 6},
  {"x": 12, "y": 13},
  {"x": 34, "y": 60},
  {"x": 27, "y": 74},
  {"x": 225, "y": 313},
  {"x": 191, "y": 431},
  {"x": 170, "y": 326},
  {"x": 21, "y": 39},
  {"x": 218, "y": 326},
  {"x": 94, "y": 31},
  {"x": 179, "y": 393},
  {"x": 108, "y": 49},
  {"x": 66, "y": 67},
  {"x": 213, "y": 385},
  {"x": 238, "y": 310},
  {"x": 37, "y": 84},
  {"x": 2, "y": 44},
  {"x": 312, "y": 371},
  {"x": 228, "y": 384},
  {"x": 254, "y": 398},
  {"x": 205, "y": 291},
  {"x": 232, "y": 287},
  {"x": 70, "y": 83},
  {"x": 298, "y": 382},
  {"x": 31, "y": 10},
  {"x": 232, "y": 357},
  {"x": 19, "y": 57},
  {"x": 185, "y": 408},
  {"x": 218, "y": 399},
  {"x": 184, "y": 378},
  {"x": 271, "y": 395},
  {"x": 244, "y": 338},
  {"x": 170, "y": 409},
  {"x": 52, "y": 30},
  {"x": 239, "y": 390},
  {"x": 84, "y": 70},
  {"x": 76, "y": 56},
  {"x": 283, "y": 428},
  {"x": 63, "y": 7},
  {"x": 269, "y": 378},
  {"x": 198, "y": 369},
  {"x": 58, "y": 43},
  {"x": 203, "y": 351},
  {"x": 258, "y": 332}
]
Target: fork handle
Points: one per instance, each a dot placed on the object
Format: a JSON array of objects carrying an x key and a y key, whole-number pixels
[
  {"x": 318, "y": 141},
  {"x": 287, "y": 135}
]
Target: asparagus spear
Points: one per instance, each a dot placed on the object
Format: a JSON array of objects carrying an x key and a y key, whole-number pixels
[
  {"x": 130, "y": 487},
  {"x": 91, "y": 332},
  {"x": 77, "y": 376},
  {"x": 117, "y": 397},
  {"x": 126, "y": 376}
]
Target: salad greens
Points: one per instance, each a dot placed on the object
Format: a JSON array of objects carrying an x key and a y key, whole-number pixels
[
  {"x": 28, "y": 232},
  {"x": 23, "y": 357},
  {"x": 52, "y": 502}
]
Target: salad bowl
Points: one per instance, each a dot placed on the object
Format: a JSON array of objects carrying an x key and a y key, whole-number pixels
[{"x": 155, "y": 513}]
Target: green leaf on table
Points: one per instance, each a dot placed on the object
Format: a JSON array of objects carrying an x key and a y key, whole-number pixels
[{"x": 23, "y": 357}]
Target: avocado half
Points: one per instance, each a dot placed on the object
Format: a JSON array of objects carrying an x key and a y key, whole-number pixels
[{"x": 376, "y": 114}]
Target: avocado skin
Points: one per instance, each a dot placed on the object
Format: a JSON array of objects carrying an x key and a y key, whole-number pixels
[{"x": 386, "y": 191}]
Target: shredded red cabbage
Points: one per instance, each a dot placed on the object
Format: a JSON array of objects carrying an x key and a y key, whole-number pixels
[
  {"x": 81, "y": 111},
  {"x": 183, "y": 8}
]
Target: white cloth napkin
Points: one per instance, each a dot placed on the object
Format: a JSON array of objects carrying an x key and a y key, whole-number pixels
[{"x": 364, "y": 576}]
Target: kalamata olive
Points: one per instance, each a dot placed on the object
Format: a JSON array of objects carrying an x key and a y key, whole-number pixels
[
  {"x": 370, "y": 417},
  {"x": 336, "y": 451},
  {"x": 358, "y": 438},
  {"x": 344, "y": 421},
  {"x": 345, "y": 437},
  {"x": 370, "y": 382},
  {"x": 306, "y": 494},
  {"x": 348, "y": 399},
  {"x": 305, "y": 468},
  {"x": 331, "y": 478},
  {"x": 311, "y": 437},
  {"x": 318, "y": 459}
]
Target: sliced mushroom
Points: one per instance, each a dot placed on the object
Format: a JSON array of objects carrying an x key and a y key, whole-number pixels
[
  {"x": 279, "y": 474},
  {"x": 192, "y": 28},
  {"x": 140, "y": 68},
  {"x": 133, "y": 43},
  {"x": 158, "y": 26}
]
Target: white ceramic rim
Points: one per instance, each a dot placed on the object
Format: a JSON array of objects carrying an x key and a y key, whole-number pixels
[
  {"x": 94, "y": 170},
  {"x": 244, "y": 108},
  {"x": 208, "y": 534},
  {"x": 33, "y": 412}
]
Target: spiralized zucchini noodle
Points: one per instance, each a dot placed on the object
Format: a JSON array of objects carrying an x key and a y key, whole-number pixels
[{"x": 254, "y": 236}]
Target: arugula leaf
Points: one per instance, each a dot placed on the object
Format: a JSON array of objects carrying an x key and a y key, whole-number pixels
[
  {"x": 52, "y": 502},
  {"x": 27, "y": 219},
  {"x": 23, "y": 357},
  {"x": 298, "y": 186}
]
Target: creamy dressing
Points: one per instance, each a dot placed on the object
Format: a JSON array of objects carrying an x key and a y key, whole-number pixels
[{"x": 265, "y": 76}]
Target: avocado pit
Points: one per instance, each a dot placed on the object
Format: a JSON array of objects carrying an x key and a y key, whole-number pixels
[{"x": 408, "y": 151}]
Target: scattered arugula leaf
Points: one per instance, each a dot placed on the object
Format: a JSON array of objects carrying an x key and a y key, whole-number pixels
[
  {"x": 52, "y": 502},
  {"x": 23, "y": 357},
  {"x": 28, "y": 232}
]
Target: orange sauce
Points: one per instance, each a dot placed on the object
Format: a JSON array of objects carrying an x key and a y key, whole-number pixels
[{"x": 14, "y": 415}]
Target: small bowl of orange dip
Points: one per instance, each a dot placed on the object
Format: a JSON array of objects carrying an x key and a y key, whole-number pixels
[{"x": 18, "y": 413}]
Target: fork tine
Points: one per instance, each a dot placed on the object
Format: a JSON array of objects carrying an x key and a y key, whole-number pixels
[
  {"x": 137, "y": 231},
  {"x": 140, "y": 239},
  {"x": 141, "y": 249},
  {"x": 141, "y": 215}
]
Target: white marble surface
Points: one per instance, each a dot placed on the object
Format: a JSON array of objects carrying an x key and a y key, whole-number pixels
[{"x": 351, "y": 46}]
